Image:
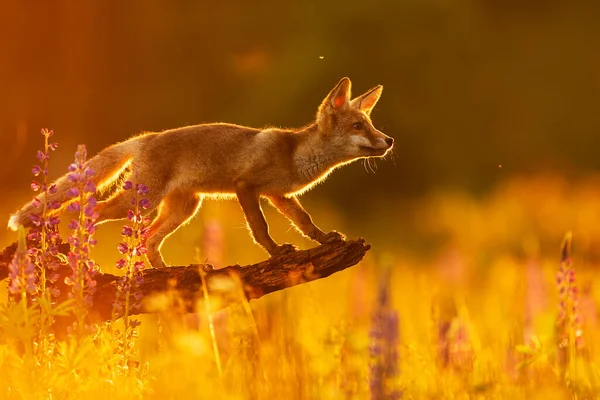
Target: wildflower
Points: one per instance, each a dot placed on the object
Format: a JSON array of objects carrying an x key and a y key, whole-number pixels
[
  {"x": 568, "y": 324},
  {"x": 44, "y": 236},
  {"x": 144, "y": 204},
  {"x": 460, "y": 350},
  {"x": 385, "y": 337},
  {"x": 127, "y": 231},
  {"x": 454, "y": 346},
  {"x": 129, "y": 295},
  {"x": 133, "y": 247},
  {"x": 81, "y": 240},
  {"x": 21, "y": 271}
]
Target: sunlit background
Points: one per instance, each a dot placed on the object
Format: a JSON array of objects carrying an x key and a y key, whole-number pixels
[{"x": 493, "y": 106}]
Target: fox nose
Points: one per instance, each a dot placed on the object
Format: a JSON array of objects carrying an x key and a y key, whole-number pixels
[{"x": 389, "y": 141}]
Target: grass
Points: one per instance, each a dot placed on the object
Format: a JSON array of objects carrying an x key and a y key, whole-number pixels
[{"x": 478, "y": 302}]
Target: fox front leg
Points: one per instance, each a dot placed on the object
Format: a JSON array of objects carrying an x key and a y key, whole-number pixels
[
  {"x": 250, "y": 201},
  {"x": 291, "y": 208}
]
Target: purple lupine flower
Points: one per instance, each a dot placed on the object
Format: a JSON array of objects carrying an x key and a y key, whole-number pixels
[
  {"x": 123, "y": 247},
  {"x": 35, "y": 219},
  {"x": 74, "y": 208},
  {"x": 142, "y": 190},
  {"x": 84, "y": 269},
  {"x": 385, "y": 337},
  {"x": 127, "y": 231},
  {"x": 568, "y": 324},
  {"x": 21, "y": 271},
  {"x": 133, "y": 247},
  {"x": 44, "y": 236},
  {"x": 89, "y": 187},
  {"x": 73, "y": 192},
  {"x": 144, "y": 204},
  {"x": 52, "y": 221},
  {"x": 90, "y": 208},
  {"x": 73, "y": 225}
]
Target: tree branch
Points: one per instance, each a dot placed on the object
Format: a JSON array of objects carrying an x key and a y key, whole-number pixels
[{"x": 256, "y": 280}]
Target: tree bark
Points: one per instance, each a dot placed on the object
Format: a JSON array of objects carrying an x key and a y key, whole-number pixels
[{"x": 250, "y": 281}]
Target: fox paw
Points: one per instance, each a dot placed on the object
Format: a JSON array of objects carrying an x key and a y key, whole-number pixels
[
  {"x": 332, "y": 236},
  {"x": 285, "y": 248}
]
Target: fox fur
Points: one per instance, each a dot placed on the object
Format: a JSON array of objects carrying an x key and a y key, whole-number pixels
[{"x": 181, "y": 166}]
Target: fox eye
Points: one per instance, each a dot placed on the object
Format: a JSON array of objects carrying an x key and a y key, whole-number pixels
[{"x": 357, "y": 125}]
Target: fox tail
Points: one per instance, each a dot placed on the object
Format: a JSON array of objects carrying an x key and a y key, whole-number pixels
[{"x": 107, "y": 166}]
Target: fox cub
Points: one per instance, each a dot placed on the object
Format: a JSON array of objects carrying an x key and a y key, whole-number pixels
[{"x": 181, "y": 166}]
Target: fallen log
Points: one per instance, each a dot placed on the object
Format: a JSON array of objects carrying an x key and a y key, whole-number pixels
[{"x": 255, "y": 281}]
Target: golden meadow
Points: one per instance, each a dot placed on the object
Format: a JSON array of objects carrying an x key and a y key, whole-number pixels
[{"x": 460, "y": 297}]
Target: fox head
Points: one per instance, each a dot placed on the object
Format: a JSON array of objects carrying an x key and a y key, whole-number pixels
[{"x": 345, "y": 123}]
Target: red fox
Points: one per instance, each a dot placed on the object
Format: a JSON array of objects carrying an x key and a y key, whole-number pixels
[{"x": 181, "y": 166}]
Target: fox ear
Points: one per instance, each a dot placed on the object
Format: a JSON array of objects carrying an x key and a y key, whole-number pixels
[
  {"x": 367, "y": 101},
  {"x": 339, "y": 97}
]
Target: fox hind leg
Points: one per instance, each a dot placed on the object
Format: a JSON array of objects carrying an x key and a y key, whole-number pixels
[
  {"x": 116, "y": 207},
  {"x": 177, "y": 208}
]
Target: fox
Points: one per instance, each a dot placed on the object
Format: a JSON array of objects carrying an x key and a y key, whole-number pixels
[{"x": 182, "y": 166}]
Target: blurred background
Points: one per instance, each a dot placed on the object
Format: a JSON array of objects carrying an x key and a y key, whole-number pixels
[{"x": 493, "y": 105}]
